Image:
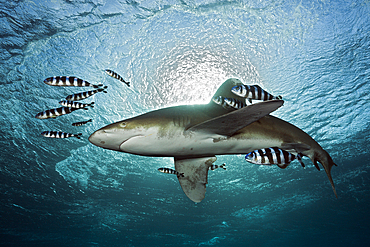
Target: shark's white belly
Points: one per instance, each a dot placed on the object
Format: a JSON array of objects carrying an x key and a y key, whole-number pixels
[{"x": 193, "y": 145}]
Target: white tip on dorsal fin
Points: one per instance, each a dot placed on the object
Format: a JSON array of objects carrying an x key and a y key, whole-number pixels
[
  {"x": 231, "y": 122},
  {"x": 195, "y": 172}
]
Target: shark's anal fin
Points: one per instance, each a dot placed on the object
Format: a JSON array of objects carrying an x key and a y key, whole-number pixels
[
  {"x": 230, "y": 123},
  {"x": 195, "y": 176}
]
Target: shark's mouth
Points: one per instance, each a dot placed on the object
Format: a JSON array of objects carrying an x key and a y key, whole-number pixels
[
  {"x": 125, "y": 142},
  {"x": 109, "y": 139}
]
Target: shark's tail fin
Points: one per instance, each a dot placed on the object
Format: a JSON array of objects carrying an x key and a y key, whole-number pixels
[
  {"x": 223, "y": 166},
  {"x": 327, "y": 162}
]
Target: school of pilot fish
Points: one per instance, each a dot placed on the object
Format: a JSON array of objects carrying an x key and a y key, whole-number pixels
[
  {"x": 266, "y": 156},
  {"x": 70, "y": 103}
]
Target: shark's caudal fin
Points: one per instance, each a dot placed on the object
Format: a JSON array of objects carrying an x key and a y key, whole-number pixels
[
  {"x": 231, "y": 122},
  {"x": 195, "y": 172},
  {"x": 319, "y": 155},
  {"x": 327, "y": 162}
]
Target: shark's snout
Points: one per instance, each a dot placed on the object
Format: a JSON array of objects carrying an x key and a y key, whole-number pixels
[{"x": 106, "y": 139}]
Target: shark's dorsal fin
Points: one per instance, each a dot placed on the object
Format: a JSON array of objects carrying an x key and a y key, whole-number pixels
[
  {"x": 231, "y": 122},
  {"x": 225, "y": 91},
  {"x": 195, "y": 176}
]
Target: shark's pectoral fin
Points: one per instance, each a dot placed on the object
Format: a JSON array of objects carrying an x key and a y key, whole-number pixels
[
  {"x": 230, "y": 123},
  {"x": 195, "y": 176}
]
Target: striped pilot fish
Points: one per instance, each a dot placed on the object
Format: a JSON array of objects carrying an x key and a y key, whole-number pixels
[
  {"x": 220, "y": 100},
  {"x": 60, "y": 134},
  {"x": 116, "y": 76},
  {"x": 53, "y": 113},
  {"x": 234, "y": 103},
  {"x": 81, "y": 123},
  {"x": 67, "y": 81},
  {"x": 272, "y": 156},
  {"x": 84, "y": 95},
  {"x": 213, "y": 167},
  {"x": 74, "y": 104},
  {"x": 171, "y": 171},
  {"x": 253, "y": 92}
]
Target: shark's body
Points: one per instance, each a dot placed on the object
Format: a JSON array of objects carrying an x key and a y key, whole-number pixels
[{"x": 194, "y": 134}]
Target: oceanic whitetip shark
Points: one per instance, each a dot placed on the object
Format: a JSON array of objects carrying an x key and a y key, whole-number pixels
[{"x": 194, "y": 134}]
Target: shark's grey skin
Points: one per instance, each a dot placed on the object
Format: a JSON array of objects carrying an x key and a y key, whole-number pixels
[{"x": 194, "y": 134}]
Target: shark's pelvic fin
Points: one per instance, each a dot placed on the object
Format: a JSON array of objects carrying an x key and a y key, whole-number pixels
[
  {"x": 231, "y": 122},
  {"x": 195, "y": 176}
]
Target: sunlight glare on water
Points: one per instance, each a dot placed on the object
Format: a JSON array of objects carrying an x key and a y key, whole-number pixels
[{"x": 68, "y": 192}]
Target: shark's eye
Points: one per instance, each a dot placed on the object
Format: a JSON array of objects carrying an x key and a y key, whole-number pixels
[{"x": 123, "y": 124}]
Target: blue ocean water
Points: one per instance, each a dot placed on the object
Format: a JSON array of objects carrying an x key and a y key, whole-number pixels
[{"x": 316, "y": 54}]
